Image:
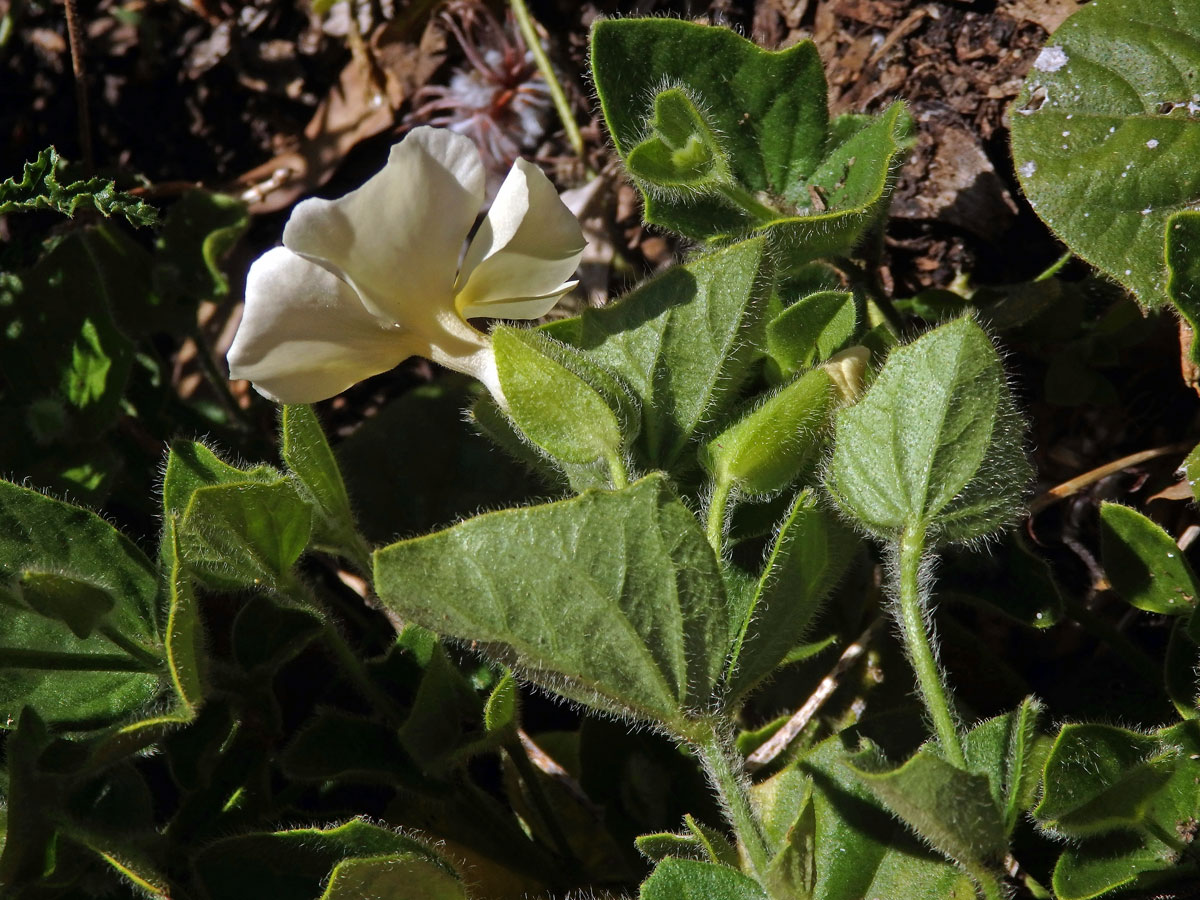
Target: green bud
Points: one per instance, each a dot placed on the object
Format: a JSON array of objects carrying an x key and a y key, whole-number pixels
[
  {"x": 811, "y": 329},
  {"x": 764, "y": 450},
  {"x": 682, "y": 151},
  {"x": 568, "y": 407}
]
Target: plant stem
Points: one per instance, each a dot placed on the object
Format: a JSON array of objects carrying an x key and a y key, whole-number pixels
[
  {"x": 920, "y": 650},
  {"x": 743, "y": 199},
  {"x": 718, "y": 503},
  {"x": 561, "y": 104},
  {"x": 616, "y": 471},
  {"x": 1055, "y": 266},
  {"x": 75, "y": 37},
  {"x": 727, "y": 774}
]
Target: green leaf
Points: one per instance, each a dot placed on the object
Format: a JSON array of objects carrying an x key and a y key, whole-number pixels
[
  {"x": 1156, "y": 851},
  {"x": 811, "y": 330},
  {"x": 1183, "y": 270},
  {"x": 307, "y": 453},
  {"x": 39, "y": 188},
  {"x": 60, "y": 351},
  {"x": 785, "y": 806},
  {"x": 243, "y": 534},
  {"x": 1179, "y": 670},
  {"x": 683, "y": 342},
  {"x": 191, "y": 465},
  {"x": 1143, "y": 563},
  {"x": 292, "y": 865},
  {"x": 200, "y": 229},
  {"x": 687, "y": 879},
  {"x": 1100, "y": 777},
  {"x": 808, "y": 558},
  {"x": 335, "y": 745},
  {"x": 764, "y": 450},
  {"x": 935, "y": 444},
  {"x": 501, "y": 710},
  {"x": 630, "y": 569},
  {"x": 699, "y": 842},
  {"x": 1009, "y": 751},
  {"x": 682, "y": 151},
  {"x": 551, "y": 401},
  {"x": 78, "y": 639},
  {"x": 267, "y": 634},
  {"x": 1105, "y": 134},
  {"x": 860, "y": 850},
  {"x": 31, "y": 800},
  {"x": 406, "y": 876},
  {"x": 811, "y": 185},
  {"x": 184, "y": 634},
  {"x": 951, "y": 809}
]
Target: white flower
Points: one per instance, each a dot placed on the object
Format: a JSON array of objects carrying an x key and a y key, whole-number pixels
[{"x": 374, "y": 277}]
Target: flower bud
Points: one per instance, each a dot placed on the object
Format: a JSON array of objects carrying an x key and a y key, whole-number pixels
[{"x": 764, "y": 450}]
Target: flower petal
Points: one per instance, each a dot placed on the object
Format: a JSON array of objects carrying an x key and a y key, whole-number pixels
[
  {"x": 398, "y": 238},
  {"x": 526, "y": 248},
  {"x": 305, "y": 334}
]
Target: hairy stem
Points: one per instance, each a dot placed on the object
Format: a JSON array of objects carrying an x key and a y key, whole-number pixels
[
  {"x": 617, "y": 472},
  {"x": 743, "y": 199},
  {"x": 718, "y": 504},
  {"x": 726, "y": 772},
  {"x": 920, "y": 650}
]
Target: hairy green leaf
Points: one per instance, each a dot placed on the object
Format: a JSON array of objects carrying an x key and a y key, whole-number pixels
[
  {"x": 245, "y": 533},
  {"x": 39, "y": 188},
  {"x": 630, "y": 570},
  {"x": 935, "y": 444},
  {"x": 808, "y": 558},
  {"x": 1105, "y": 134},
  {"x": 812, "y": 185},
  {"x": 811, "y": 330},
  {"x": 1143, "y": 563},
  {"x": 951, "y": 809},
  {"x": 688, "y": 879},
  {"x": 78, "y": 636},
  {"x": 683, "y": 342}
]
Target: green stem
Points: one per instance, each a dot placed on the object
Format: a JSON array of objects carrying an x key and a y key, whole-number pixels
[
  {"x": 743, "y": 199},
  {"x": 717, "y": 506},
  {"x": 561, "y": 104},
  {"x": 1055, "y": 266},
  {"x": 727, "y": 774},
  {"x": 617, "y": 472},
  {"x": 920, "y": 650},
  {"x": 141, "y": 654}
]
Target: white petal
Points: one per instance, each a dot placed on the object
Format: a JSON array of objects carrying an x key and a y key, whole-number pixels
[
  {"x": 522, "y": 308},
  {"x": 527, "y": 247},
  {"x": 398, "y": 238},
  {"x": 305, "y": 334}
]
